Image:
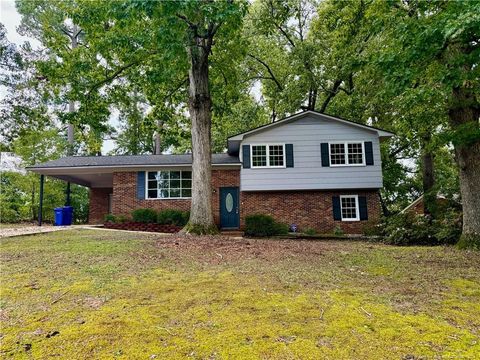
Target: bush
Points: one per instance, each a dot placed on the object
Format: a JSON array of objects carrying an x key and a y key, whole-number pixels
[
  {"x": 120, "y": 219},
  {"x": 337, "y": 231},
  {"x": 144, "y": 215},
  {"x": 110, "y": 218},
  {"x": 310, "y": 231},
  {"x": 412, "y": 229},
  {"x": 470, "y": 242},
  {"x": 372, "y": 228},
  {"x": 260, "y": 225},
  {"x": 173, "y": 217}
]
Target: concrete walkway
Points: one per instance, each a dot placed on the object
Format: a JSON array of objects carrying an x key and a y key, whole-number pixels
[
  {"x": 34, "y": 229},
  {"x": 30, "y": 230}
]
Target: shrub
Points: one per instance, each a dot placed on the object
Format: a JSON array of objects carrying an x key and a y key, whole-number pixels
[
  {"x": 337, "y": 231},
  {"x": 110, "y": 218},
  {"x": 412, "y": 229},
  {"x": 260, "y": 225},
  {"x": 144, "y": 215},
  {"x": 372, "y": 228},
  {"x": 173, "y": 216},
  {"x": 310, "y": 231},
  {"x": 470, "y": 241},
  {"x": 120, "y": 219}
]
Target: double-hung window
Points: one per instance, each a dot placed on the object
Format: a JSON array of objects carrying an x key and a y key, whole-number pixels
[
  {"x": 349, "y": 208},
  {"x": 268, "y": 156},
  {"x": 169, "y": 184},
  {"x": 346, "y": 153}
]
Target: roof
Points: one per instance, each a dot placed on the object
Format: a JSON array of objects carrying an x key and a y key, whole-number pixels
[
  {"x": 131, "y": 161},
  {"x": 234, "y": 141}
]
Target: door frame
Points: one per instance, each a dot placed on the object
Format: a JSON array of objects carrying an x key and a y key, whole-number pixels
[{"x": 220, "y": 206}]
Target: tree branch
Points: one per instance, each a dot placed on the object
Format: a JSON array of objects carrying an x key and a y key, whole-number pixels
[
  {"x": 280, "y": 87},
  {"x": 177, "y": 88},
  {"x": 113, "y": 76},
  {"x": 284, "y": 33},
  {"x": 331, "y": 95}
]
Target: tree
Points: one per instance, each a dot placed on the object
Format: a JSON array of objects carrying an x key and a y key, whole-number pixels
[
  {"x": 63, "y": 67},
  {"x": 157, "y": 44},
  {"x": 440, "y": 49}
]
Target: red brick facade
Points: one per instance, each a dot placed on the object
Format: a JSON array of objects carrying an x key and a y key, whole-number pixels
[
  {"x": 98, "y": 205},
  {"x": 125, "y": 194},
  {"x": 307, "y": 209}
]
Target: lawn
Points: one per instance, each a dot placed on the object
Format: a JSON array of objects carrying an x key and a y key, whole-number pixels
[{"x": 84, "y": 294}]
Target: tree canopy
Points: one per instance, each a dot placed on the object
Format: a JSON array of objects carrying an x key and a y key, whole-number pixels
[{"x": 183, "y": 76}]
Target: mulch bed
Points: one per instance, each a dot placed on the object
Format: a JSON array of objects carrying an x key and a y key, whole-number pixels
[{"x": 136, "y": 226}]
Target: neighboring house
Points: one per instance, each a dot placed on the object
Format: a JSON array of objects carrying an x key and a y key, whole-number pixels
[
  {"x": 309, "y": 169},
  {"x": 417, "y": 206}
]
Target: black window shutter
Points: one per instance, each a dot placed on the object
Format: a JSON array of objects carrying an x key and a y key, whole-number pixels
[
  {"x": 368, "y": 153},
  {"x": 362, "y": 206},
  {"x": 141, "y": 185},
  {"x": 325, "y": 155},
  {"x": 337, "y": 212},
  {"x": 246, "y": 156},
  {"x": 289, "y": 154}
]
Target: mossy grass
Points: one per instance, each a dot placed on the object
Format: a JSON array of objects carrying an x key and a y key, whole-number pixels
[{"x": 85, "y": 294}]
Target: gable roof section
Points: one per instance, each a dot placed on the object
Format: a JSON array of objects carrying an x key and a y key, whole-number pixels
[
  {"x": 234, "y": 141},
  {"x": 125, "y": 161}
]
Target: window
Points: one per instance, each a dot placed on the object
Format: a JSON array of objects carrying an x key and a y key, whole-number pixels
[
  {"x": 259, "y": 155},
  {"x": 169, "y": 184},
  {"x": 337, "y": 154},
  {"x": 346, "y": 153},
  {"x": 349, "y": 207},
  {"x": 268, "y": 156}
]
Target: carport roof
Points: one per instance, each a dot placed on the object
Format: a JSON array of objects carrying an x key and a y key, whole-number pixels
[
  {"x": 97, "y": 171},
  {"x": 131, "y": 161}
]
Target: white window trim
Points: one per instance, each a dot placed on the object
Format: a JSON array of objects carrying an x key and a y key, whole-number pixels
[
  {"x": 345, "y": 146},
  {"x": 158, "y": 198},
  {"x": 268, "y": 156},
  {"x": 357, "y": 208}
]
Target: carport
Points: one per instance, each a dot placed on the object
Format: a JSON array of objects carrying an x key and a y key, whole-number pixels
[{"x": 75, "y": 170}]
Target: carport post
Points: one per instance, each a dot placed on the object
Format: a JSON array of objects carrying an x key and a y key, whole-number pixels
[
  {"x": 67, "y": 201},
  {"x": 40, "y": 208}
]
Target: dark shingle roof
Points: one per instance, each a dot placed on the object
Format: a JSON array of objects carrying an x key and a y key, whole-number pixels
[{"x": 132, "y": 160}]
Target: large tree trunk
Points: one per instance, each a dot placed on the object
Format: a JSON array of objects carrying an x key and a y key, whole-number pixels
[
  {"x": 199, "y": 104},
  {"x": 465, "y": 115},
  {"x": 158, "y": 150}
]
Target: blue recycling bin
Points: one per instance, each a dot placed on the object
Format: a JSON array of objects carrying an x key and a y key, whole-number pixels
[
  {"x": 58, "y": 216},
  {"x": 67, "y": 215}
]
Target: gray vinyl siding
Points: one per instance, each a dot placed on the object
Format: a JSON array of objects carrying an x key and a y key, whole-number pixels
[{"x": 306, "y": 134}]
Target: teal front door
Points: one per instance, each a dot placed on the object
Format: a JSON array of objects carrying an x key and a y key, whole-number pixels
[{"x": 229, "y": 214}]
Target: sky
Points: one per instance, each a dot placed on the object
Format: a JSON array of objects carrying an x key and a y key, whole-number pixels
[{"x": 11, "y": 19}]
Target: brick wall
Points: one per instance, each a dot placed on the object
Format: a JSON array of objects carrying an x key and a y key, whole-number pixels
[
  {"x": 125, "y": 194},
  {"x": 307, "y": 209},
  {"x": 98, "y": 205}
]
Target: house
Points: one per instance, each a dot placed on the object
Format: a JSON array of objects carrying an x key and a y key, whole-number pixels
[
  {"x": 417, "y": 207},
  {"x": 309, "y": 169}
]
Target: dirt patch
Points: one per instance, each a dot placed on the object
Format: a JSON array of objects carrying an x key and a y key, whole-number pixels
[
  {"x": 221, "y": 249},
  {"x": 93, "y": 302}
]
